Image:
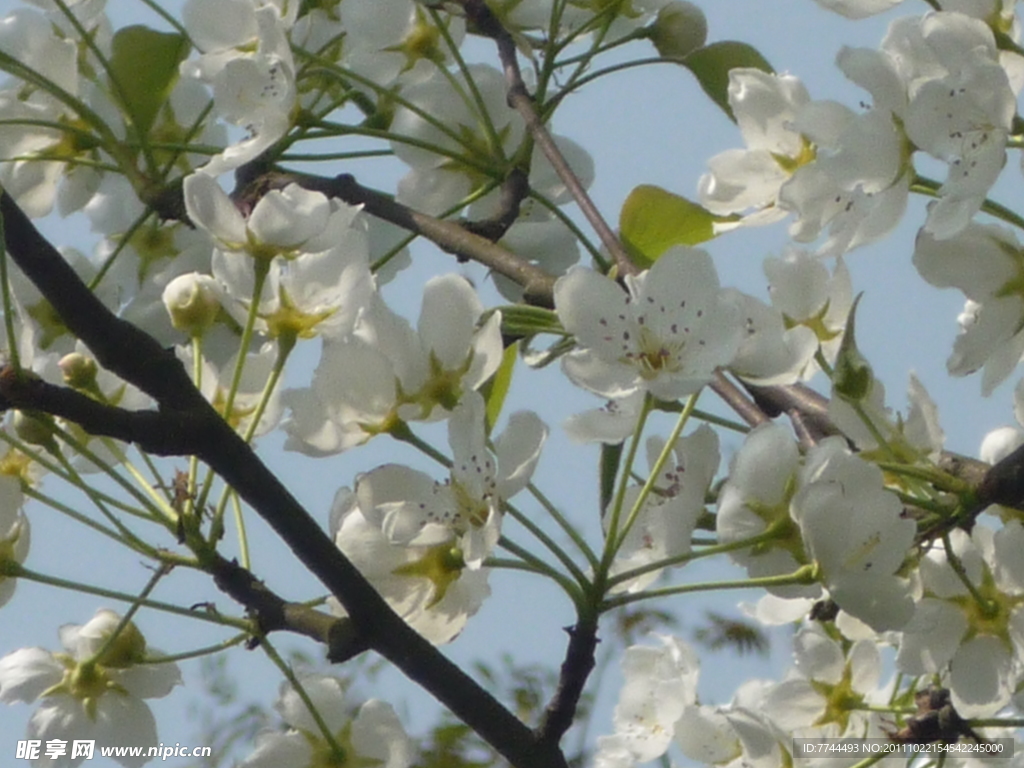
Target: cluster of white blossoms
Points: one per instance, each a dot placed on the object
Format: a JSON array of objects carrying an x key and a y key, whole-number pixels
[{"x": 854, "y": 528}]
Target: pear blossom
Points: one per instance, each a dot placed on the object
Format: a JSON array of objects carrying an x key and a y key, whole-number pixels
[
  {"x": 828, "y": 688},
  {"x": 857, "y": 534},
  {"x": 317, "y": 279},
  {"x": 666, "y": 521},
  {"x": 94, "y": 689},
  {"x": 429, "y": 585},
  {"x": 802, "y": 289},
  {"x": 916, "y": 437},
  {"x": 14, "y": 532},
  {"x": 385, "y": 372},
  {"x": 440, "y": 179},
  {"x": 248, "y": 62},
  {"x": 383, "y": 43},
  {"x": 755, "y": 501},
  {"x": 215, "y": 381},
  {"x": 665, "y": 336},
  {"x": 977, "y": 639},
  {"x": 985, "y": 263},
  {"x": 660, "y": 682},
  {"x": 373, "y": 736},
  {"x": 960, "y": 107},
  {"x": 742, "y": 180},
  {"x": 769, "y": 351},
  {"x": 410, "y": 507},
  {"x": 857, "y": 187}
]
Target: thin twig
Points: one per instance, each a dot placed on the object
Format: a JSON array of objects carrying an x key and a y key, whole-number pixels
[{"x": 519, "y": 98}]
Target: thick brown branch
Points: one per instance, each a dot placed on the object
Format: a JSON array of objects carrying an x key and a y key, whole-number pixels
[{"x": 139, "y": 359}]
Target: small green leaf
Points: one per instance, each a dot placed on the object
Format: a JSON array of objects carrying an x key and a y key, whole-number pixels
[
  {"x": 652, "y": 220},
  {"x": 711, "y": 65},
  {"x": 144, "y": 66},
  {"x": 852, "y": 376},
  {"x": 496, "y": 389},
  {"x": 611, "y": 457}
]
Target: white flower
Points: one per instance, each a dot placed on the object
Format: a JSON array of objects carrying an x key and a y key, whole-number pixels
[
  {"x": 374, "y": 736},
  {"x": 32, "y": 179},
  {"x": 979, "y": 636},
  {"x": 742, "y": 180},
  {"x": 916, "y": 437},
  {"x": 428, "y": 585},
  {"x": 855, "y": 531},
  {"x": 770, "y": 352},
  {"x": 959, "y": 110},
  {"x": 248, "y": 62},
  {"x": 411, "y": 508},
  {"x": 659, "y": 684},
  {"x": 829, "y": 688},
  {"x": 386, "y": 372},
  {"x": 801, "y": 288},
  {"x": 755, "y": 501},
  {"x": 665, "y": 336},
  {"x": 14, "y": 531},
  {"x": 986, "y": 263},
  {"x": 664, "y": 526},
  {"x": 93, "y": 690}
]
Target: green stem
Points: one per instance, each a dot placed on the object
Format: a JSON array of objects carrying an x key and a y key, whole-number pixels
[
  {"x": 652, "y": 477},
  {"x": 286, "y": 670},
  {"x": 806, "y": 574},
  {"x": 12, "y": 340},
  {"x": 610, "y": 547},
  {"x": 539, "y": 566},
  {"x": 769, "y": 534},
  {"x": 14, "y": 570}
]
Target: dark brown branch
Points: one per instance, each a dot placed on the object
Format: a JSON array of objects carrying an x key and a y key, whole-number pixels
[
  {"x": 514, "y": 190},
  {"x": 139, "y": 359},
  {"x": 579, "y": 663},
  {"x": 272, "y": 613},
  {"x": 538, "y": 285},
  {"x": 487, "y": 23}
]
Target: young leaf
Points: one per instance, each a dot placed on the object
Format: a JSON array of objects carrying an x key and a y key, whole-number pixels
[
  {"x": 653, "y": 219},
  {"x": 851, "y": 379},
  {"x": 144, "y": 65},
  {"x": 496, "y": 389},
  {"x": 711, "y": 65}
]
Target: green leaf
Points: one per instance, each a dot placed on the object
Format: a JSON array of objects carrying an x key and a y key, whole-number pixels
[
  {"x": 496, "y": 389},
  {"x": 652, "y": 220},
  {"x": 711, "y": 65},
  {"x": 611, "y": 457},
  {"x": 852, "y": 376},
  {"x": 144, "y": 68}
]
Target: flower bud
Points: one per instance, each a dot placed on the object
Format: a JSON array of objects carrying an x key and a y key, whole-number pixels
[
  {"x": 679, "y": 29},
  {"x": 34, "y": 429},
  {"x": 192, "y": 301},
  {"x": 79, "y": 370}
]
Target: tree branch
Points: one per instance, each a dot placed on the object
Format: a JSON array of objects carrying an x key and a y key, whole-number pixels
[
  {"x": 139, "y": 359},
  {"x": 538, "y": 285},
  {"x": 487, "y": 23}
]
